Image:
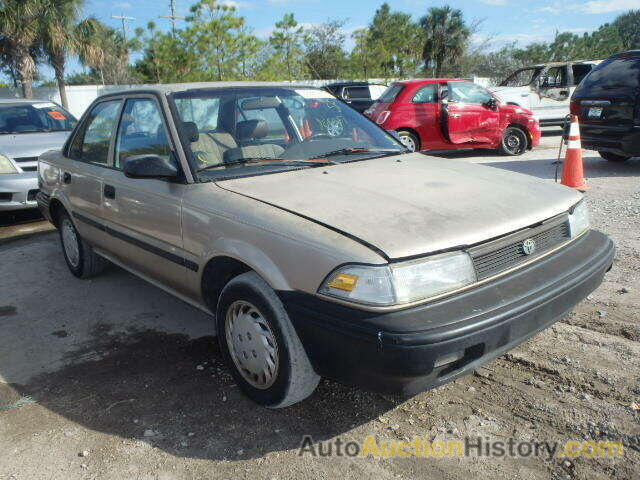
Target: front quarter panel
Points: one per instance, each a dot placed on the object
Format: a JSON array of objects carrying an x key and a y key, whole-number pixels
[{"x": 289, "y": 252}]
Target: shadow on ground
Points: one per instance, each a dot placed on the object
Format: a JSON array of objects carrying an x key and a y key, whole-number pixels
[{"x": 176, "y": 390}]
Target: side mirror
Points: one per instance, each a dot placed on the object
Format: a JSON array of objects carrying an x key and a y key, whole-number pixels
[
  {"x": 492, "y": 104},
  {"x": 394, "y": 134},
  {"x": 150, "y": 166}
]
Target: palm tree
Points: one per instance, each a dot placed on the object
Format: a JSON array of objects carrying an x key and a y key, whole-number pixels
[
  {"x": 446, "y": 37},
  {"x": 89, "y": 36},
  {"x": 19, "y": 25},
  {"x": 57, "y": 36}
]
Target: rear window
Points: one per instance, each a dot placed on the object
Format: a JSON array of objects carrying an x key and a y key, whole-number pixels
[
  {"x": 619, "y": 72},
  {"x": 391, "y": 93}
]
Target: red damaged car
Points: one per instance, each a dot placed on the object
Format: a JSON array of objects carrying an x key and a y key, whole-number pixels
[{"x": 442, "y": 114}]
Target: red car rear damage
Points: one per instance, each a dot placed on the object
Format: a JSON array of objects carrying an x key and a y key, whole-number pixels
[{"x": 443, "y": 114}]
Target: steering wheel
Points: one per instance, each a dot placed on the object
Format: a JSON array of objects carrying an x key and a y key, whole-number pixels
[{"x": 317, "y": 136}]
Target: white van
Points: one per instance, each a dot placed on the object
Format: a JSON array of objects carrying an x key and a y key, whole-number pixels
[{"x": 545, "y": 89}]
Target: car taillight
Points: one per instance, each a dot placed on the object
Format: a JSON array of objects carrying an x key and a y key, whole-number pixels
[
  {"x": 383, "y": 117},
  {"x": 574, "y": 108}
]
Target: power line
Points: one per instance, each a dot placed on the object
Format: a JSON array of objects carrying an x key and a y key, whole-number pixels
[
  {"x": 124, "y": 25},
  {"x": 173, "y": 17}
]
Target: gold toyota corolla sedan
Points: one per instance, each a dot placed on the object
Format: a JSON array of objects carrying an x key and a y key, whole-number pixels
[{"x": 322, "y": 247}]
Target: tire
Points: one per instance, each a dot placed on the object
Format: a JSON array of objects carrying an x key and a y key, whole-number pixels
[
  {"x": 514, "y": 142},
  {"x": 409, "y": 140},
  {"x": 612, "y": 157},
  {"x": 82, "y": 261},
  {"x": 248, "y": 305}
]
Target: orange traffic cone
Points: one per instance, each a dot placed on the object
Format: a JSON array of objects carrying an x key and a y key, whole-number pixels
[{"x": 572, "y": 171}]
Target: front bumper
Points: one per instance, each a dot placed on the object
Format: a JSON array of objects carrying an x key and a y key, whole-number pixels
[
  {"x": 18, "y": 191},
  {"x": 423, "y": 347},
  {"x": 621, "y": 140}
]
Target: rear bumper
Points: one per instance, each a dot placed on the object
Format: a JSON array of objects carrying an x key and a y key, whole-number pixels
[
  {"x": 18, "y": 191},
  {"x": 622, "y": 140},
  {"x": 429, "y": 345}
]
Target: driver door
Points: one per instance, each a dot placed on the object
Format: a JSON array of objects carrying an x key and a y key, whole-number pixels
[
  {"x": 554, "y": 92},
  {"x": 469, "y": 117}
]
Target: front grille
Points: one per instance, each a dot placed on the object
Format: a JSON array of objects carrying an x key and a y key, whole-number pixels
[
  {"x": 31, "y": 196},
  {"x": 506, "y": 253},
  {"x": 26, "y": 159}
]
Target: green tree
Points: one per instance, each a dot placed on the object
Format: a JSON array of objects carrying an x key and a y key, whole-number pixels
[
  {"x": 286, "y": 40},
  {"x": 324, "y": 56},
  {"x": 446, "y": 37},
  {"x": 19, "y": 26},
  {"x": 57, "y": 37}
]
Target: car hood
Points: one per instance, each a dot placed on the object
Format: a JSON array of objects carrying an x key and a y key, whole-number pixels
[
  {"x": 411, "y": 204},
  {"x": 31, "y": 144}
]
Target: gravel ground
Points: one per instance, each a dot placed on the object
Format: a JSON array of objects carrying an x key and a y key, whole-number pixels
[{"x": 113, "y": 379}]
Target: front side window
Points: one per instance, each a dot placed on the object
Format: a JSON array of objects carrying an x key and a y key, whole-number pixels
[
  {"x": 276, "y": 129},
  {"x": 141, "y": 131},
  {"x": 35, "y": 118},
  {"x": 427, "y": 94},
  {"x": 465, "y": 92},
  {"x": 554, "y": 77},
  {"x": 91, "y": 144}
]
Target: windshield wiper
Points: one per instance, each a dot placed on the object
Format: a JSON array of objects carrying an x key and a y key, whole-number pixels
[
  {"x": 276, "y": 162},
  {"x": 357, "y": 151}
]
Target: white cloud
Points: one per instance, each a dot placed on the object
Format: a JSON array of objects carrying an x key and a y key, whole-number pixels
[
  {"x": 606, "y": 6},
  {"x": 495, "y": 2},
  {"x": 234, "y": 3}
]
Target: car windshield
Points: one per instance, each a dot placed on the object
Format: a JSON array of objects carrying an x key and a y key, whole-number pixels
[
  {"x": 230, "y": 134},
  {"x": 35, "y": 118},
  {"x": 521, "y": 78}
]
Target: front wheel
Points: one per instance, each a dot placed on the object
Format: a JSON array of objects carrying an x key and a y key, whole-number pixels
[
  {"x": 260, "y": 345},
  {"x": 514, "y": 142},
  {"x": 612, "y": 157},
  {"x": 409, "y": 140}
]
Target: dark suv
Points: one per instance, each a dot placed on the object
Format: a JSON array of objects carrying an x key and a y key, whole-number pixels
[{"x": 608, "y": 105}]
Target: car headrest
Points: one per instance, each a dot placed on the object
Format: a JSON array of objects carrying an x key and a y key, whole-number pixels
[
  {"x": 191, "y": 131},
  {"x": 250, "y": 129}
]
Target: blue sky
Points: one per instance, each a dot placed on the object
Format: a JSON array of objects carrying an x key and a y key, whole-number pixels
[{"x": 524, "y": 21}]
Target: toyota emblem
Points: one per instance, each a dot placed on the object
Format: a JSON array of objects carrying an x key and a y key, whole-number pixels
[{"x": 529, "y": 246}]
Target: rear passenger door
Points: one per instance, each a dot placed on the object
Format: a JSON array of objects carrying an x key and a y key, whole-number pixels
[
  {"x": 86, "y": 161},
  {"x": 144, "y": 215}
]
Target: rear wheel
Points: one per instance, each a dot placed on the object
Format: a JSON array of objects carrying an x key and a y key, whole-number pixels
[
  {"x": 82, "y": 261},
  {"x": 260, "y": 345},
  {"x": 514, "y": 142},
  {"x": 409, "y": 140},
  {"x": 612, "y": 157}
]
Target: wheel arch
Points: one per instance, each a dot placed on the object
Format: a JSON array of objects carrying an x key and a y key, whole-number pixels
[{"x": 412, "y": 131}]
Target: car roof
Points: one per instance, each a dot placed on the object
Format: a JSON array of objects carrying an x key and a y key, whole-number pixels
[
  {"x": 557, "y": 64},
  {"x": 24, "y": 101},
  {"x": 205, "y": 86},
  {"x": 348, "y": 84},
  {"x": 430, "y": 80}
]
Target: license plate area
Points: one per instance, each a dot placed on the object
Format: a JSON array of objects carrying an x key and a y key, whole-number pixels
[{"x": 595, "y": 112}]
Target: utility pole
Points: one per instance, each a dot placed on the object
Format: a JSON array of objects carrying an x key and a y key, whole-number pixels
[
  {"x": 173, "y": 17},
  {"x": 124, "y": 25}
]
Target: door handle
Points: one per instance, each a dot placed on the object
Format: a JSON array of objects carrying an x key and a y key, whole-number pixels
[
  {"x": 109, "y": 191},
  {"x": 66, "y": 178},
  {"x": 455, "y": 115}
]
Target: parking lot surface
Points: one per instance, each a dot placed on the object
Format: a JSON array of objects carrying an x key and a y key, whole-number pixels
[{"x": 114, "y": 379}]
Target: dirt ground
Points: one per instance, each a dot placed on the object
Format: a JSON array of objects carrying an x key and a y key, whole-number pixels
[{"x": 114, "y": 379}]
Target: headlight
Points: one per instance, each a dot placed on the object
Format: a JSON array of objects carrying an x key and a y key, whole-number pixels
[
  {"x": 400, "y": 283},
  {"x": 7, "y": 166},
  {"x": 579, "y": 219}
]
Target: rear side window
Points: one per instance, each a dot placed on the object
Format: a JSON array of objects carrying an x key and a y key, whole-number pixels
[
  {"x": 427, "y": 94},
  {"x": 91, "y": 144},
  {"x": 356, "y": 93},
  {"x": 579, "y": 72},
  {"x": 391, "y": 93},
  {"x": 621, "y": 71}
]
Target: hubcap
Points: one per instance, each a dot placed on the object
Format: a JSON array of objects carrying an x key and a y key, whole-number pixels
[
  {"x": 408, "y": 142},
  {"x": 70, "y": 242},
  {"x": 514, "y": 143},
  {"x": 252, "y": 344}
]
